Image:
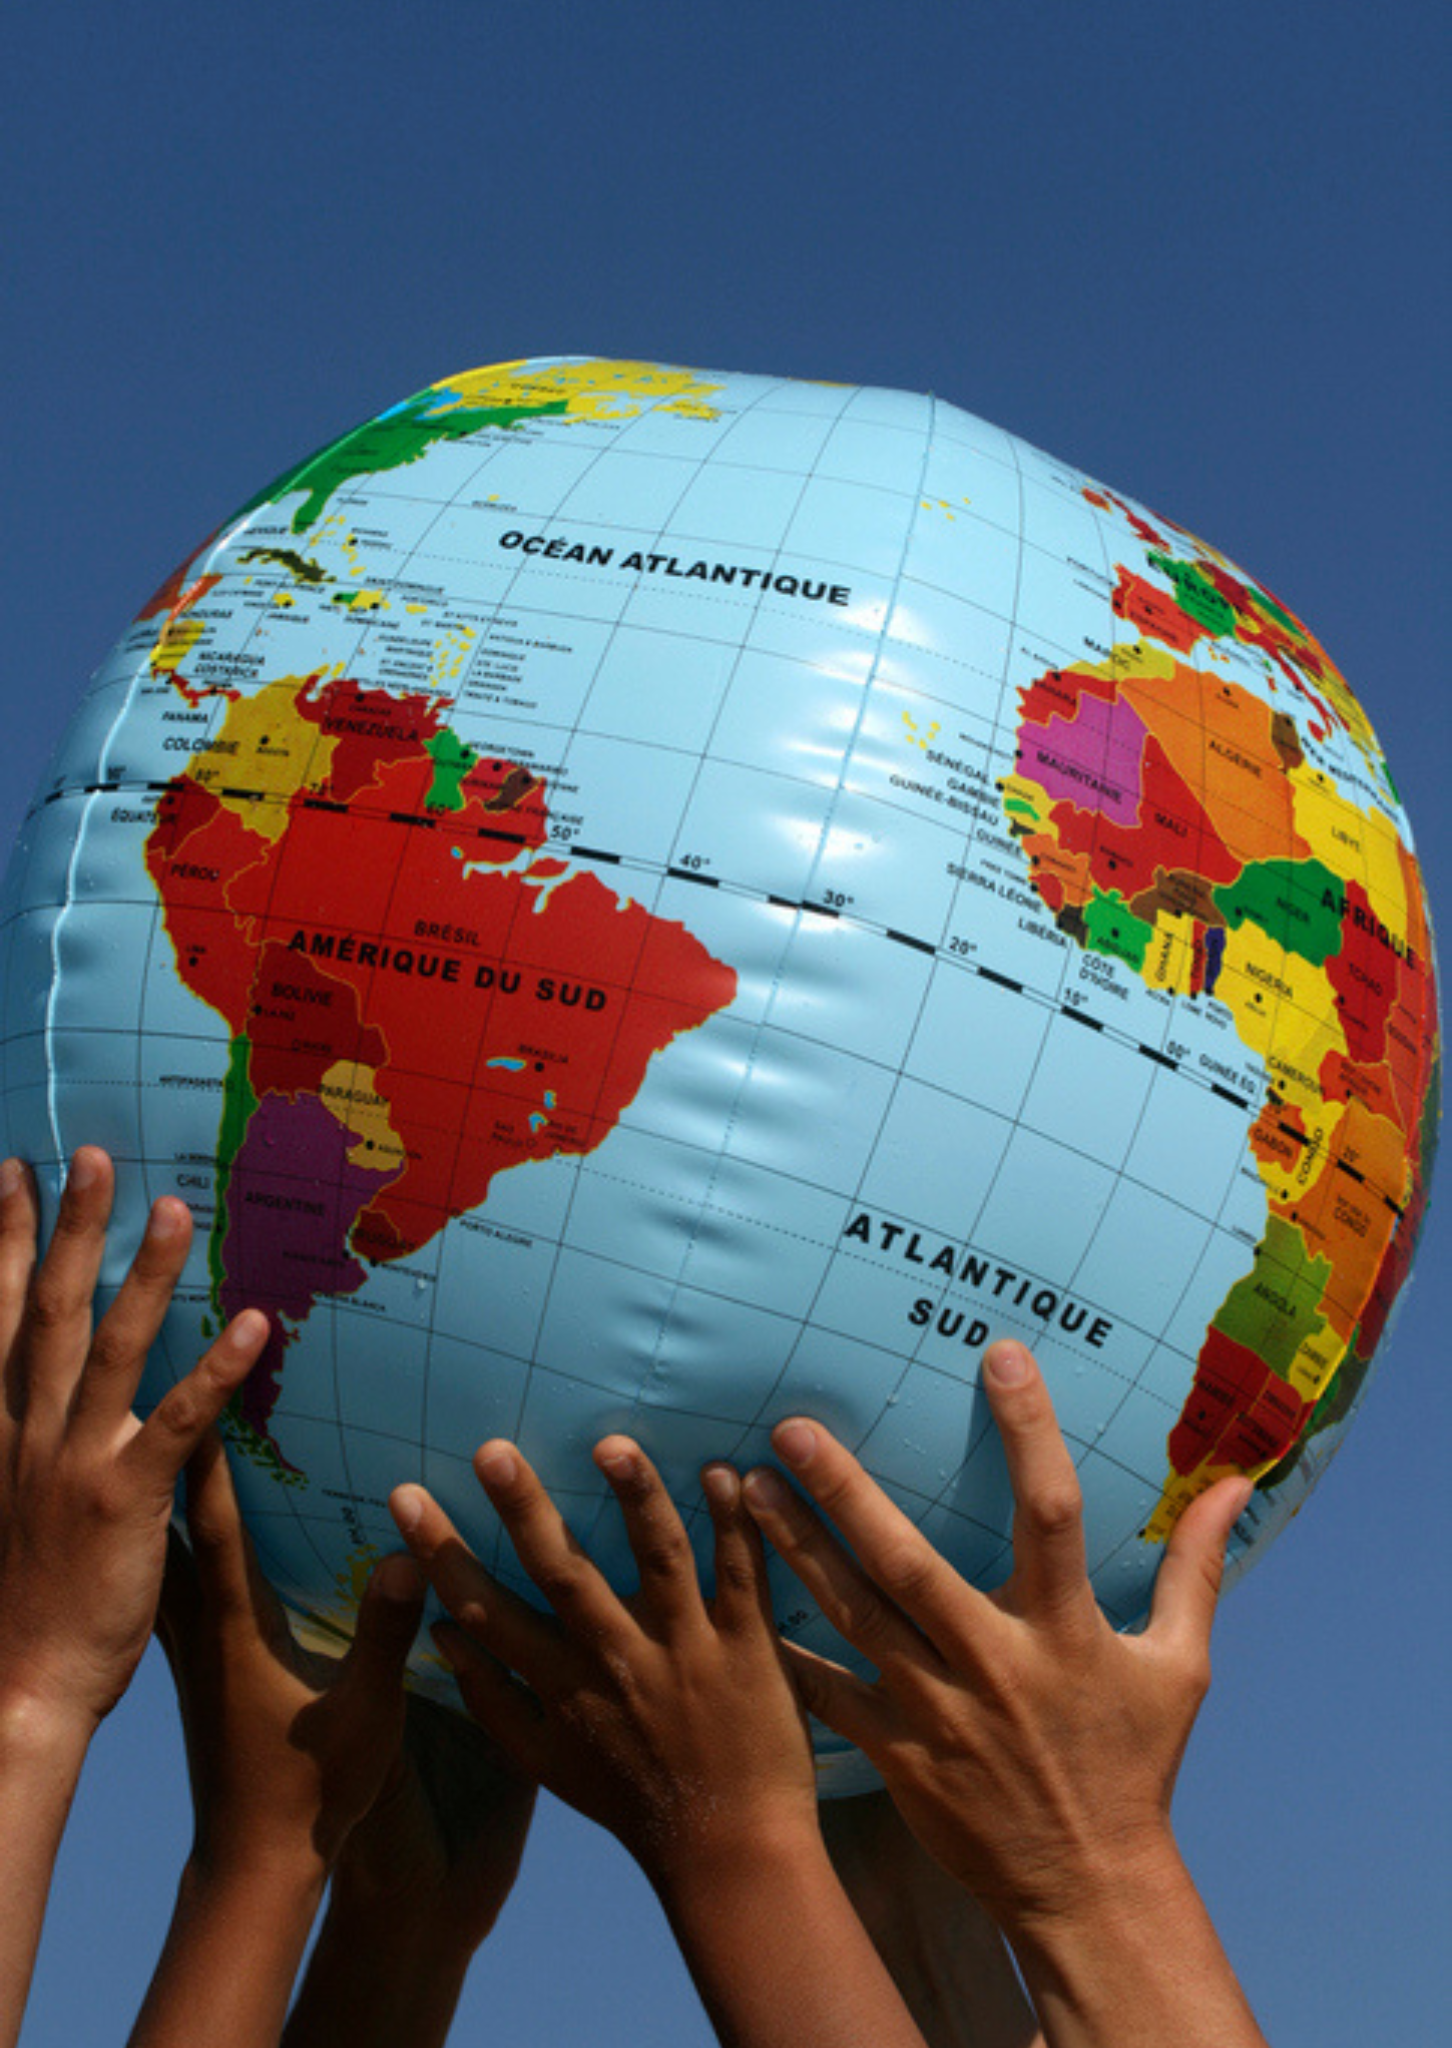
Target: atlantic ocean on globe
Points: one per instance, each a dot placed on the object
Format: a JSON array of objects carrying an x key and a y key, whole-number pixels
[{"x": 635, "y": 898}]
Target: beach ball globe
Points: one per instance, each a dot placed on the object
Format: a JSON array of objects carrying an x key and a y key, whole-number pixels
[{"x": 637, "y": 898}]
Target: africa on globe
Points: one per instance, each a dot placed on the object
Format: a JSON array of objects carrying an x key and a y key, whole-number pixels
[{"x": 627, "y": 897}]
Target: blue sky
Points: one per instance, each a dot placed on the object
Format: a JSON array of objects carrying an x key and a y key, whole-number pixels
[{"x": 1194, "y": 251}]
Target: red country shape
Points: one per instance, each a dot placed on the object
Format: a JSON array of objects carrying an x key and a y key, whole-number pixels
[
  {"x": 373, "y": 730},
  {"x": 490, "y": 987},
  {"x": 528, "y": 1053},
  {"x": 1057, "y": 694},
  {"x": 1239, "y": 1413},
  {"x": 1364, "y": 977},
  {"x": 200, "y": 855},
  {"x": 1173, "y": 832},
  {"x": 1155, "y": 612},
  {"x": 301, "y": 1021}
]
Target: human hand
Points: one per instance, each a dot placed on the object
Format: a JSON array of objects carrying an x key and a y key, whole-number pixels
[
  {"x": 671, "y": 1721},
  {"x": 419, "y": 1884},
  {"x": 632, "y": 1709},
  {"x": 287, "y": 1750},
  {"x": 85, "y": 1496},
  {"x": 86, "y": 1490},
  {"x": 441, "y": 1845},
  {"x": 1030, "y": 1748}
]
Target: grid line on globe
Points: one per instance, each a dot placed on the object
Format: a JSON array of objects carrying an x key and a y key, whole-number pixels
[{"x": 633, "y": 897}]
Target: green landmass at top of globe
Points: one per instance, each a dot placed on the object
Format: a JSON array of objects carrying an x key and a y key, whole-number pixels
[{"x": 628, "y": 897}]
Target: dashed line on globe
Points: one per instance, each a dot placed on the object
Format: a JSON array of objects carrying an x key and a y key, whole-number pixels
[{"x": 680, "y": 874}]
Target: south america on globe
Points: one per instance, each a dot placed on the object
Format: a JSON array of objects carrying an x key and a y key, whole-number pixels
[{"x": 636, "y": 898}]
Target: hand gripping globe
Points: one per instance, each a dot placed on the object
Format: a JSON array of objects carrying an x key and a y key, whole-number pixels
[{"x": 628, "y": 898}]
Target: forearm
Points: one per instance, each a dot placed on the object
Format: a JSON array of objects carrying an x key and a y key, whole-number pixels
[
  {"x": 232, "y": 1952},
  {"x": 944, "y": 1954},
  {"x": 1139, "y": 1964},
  {"x": 778, "y": 1955},
  {"x": 40, "y": 1766},
  {"x": 376, "y": 1982}
]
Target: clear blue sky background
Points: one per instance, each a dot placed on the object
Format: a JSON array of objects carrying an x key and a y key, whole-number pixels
[{"x": 1194, "y": 250}]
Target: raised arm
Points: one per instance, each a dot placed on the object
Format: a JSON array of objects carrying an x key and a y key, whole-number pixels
[
  {"x": 1031, "y": 1748},
  {"x": 85, "y": 1497},
  {"x": 671, "y": 1722},
  {"x": 945, "y": 1955},
  {"x": 286, "y": 1753},
  {"x": 418, "y": 1886}
]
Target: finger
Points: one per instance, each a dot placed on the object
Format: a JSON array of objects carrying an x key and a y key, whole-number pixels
[
  {"x": 19, "y": 1228},
  {"x": 388, "y": 1617},
  {"x": 1050, "y": 1576},
  {"x": 19, "y": 1231},
  {"x": 670, "y": 1591},
  {"x": 180, "y": 1420},
  {"x": 846, "y": 1703},
  {"x": 214, "y": 1525},
  {"x": 892, "y": 1553},
  {"x": 55, "y": 1329},
  {"x": 129, "y": 1328},
  {"x": 742, "y": 1599},
  {"x": 487, "y": 1611},
  {"x": 549, "y": 1553},
  {"x": 859, "y": 1610},
  {"x": 1182, "y": 1611},
  {"x": 505, "y": 1710}
]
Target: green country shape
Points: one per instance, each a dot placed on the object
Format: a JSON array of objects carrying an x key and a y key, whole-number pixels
[
  {"x": 388, "y": 442},
  {"x": 452, "y": 761},
  {"x": 1293, "y": 902},
  {"x": 1111, "y": 927},
  {"x": 239, "y": 1101},
  {"x": 1197, "y": 595},
  {"x": 1277, "y": 1304}
]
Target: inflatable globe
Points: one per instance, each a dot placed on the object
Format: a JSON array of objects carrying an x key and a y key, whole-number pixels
[{"x": 628, "y": 898}]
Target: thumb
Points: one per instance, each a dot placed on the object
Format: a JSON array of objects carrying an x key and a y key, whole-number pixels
[
  {"x": 1183, "y": 1609},
  {"x": 388, "y": 1618}
]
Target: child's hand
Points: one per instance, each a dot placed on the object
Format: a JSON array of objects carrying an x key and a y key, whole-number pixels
[
  {"x": 1030, "y": 1748},
  {"x": 419, "y": 1885},
  {"x": 441, "y": 1845},
  {"x": 672, "y": 1722},
  {"x": 287, "y": 1750},
  {"x": 636, "y": 1709},
  {"x": 85, "y": 1489}
]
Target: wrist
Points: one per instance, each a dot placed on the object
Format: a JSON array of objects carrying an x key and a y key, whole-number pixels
[
  {"x": 740, "y": 1847},
  {"x": 1133, "y": 1952},
  {"x": 1107, "y": 1890},
  {"x": 224, "y": 1858}
]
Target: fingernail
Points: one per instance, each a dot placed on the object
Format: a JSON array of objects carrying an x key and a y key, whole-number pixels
[
  {"x": 246, "y": 1331},
  {"x": 497, "y": 1467},
  {"x": 168, "y": 1217},
  {"x": 720, "y": 1484},
  {"x": 796, "y": 1442},
  {"x": 399, "y": 1579},
  {"x": 1006, "y": 1365},
  {"x": 407, "y": 1508},
  {"x": 765, "y": 1490},
  {"x": 617, "y": 1464},
  {"x": 85, "y": 1170},
  {"x": 12, "y": 1173}
]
